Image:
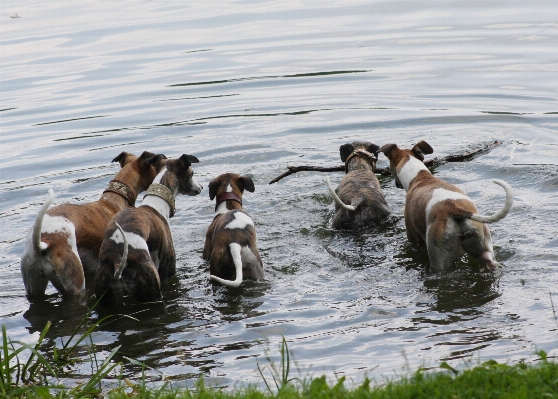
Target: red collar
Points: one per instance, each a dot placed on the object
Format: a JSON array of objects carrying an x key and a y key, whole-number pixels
[{"x": 227, "y": 196}]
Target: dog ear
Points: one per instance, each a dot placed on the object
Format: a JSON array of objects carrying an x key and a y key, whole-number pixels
[
  {"x": 373, "y": 148},
  {"x": 187, "y": 160},
  {"x": 146, "y": 155},
  {"x": 345, "y": 150},
  {"x": 246, "y": 183},
  {"x": 155, "y": 161},
  {"x": 191, "y": 158},
  {"x": 124, "y": 158},
  {"x": 424, "y": 147},
  {"x": 387, "y": 148},
  {"x": 213, "y": 186},
  {"x": 421, "y": 148}
]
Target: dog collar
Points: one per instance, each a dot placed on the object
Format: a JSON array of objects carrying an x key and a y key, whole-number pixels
[
  {"x": 161, "y": 191},
  {"x": 360, "y": 153},
  {"x": 121, "y": 189},
  {"x": 227, "y": 196}
]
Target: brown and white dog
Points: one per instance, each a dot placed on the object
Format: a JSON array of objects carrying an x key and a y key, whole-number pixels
[
  {"x": 65, "y": 240},
  {"x": 230, "y": 241},
  {"x": 359, "y": 187},
  {"x": 138, "y": 250},
  {"x": 440, "y": 214}
]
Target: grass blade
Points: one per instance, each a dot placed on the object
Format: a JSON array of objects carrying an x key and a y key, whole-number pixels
[
  {"x": 44, "y": 362},
  {"x": 96, "y": 378},
  {"x": 28, "y": 363},
  {"x": 264, "y": 379},
  {"x": 5, "y": 372}
]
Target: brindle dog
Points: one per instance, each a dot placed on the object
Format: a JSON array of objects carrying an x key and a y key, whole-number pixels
[
  {"x": 65, "y": 240},
  {"x": 138, "y": 250},
  {"x": 359, "y": 201},
  {"x": 230, "y": 241}
]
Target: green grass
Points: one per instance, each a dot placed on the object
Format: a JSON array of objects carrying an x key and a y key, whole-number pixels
[
  {"x": 37, "y": 377},
  {"x": 487, "y": 381}
]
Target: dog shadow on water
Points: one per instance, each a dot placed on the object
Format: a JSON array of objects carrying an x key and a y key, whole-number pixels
[
  {"x": 465, "y": 287},
  {"x": 65, "y": 313},
  {"x": 240, "y": 302},
  {"x": 362, "y": 248}
]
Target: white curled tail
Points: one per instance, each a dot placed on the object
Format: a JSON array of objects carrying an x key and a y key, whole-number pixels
[
  {"x": 336, "y": 198},
  {"x": 237, "y": 260},
  {"x": 503, "y": 212},
  {"x": 37, "y": 244},
  {"x": 120, "y": 269}
]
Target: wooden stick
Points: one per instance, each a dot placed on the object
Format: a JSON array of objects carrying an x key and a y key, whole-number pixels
[
  {"x": 294, "y": 169},
  {"x": 466, "y": 156}
]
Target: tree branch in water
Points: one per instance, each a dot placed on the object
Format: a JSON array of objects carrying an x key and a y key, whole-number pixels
[{"x": 465, "y": 156}]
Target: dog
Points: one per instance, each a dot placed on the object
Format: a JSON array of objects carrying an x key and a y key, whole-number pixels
[
  {"x": 137, "y": 252},
  {"x": 230, "y": 241},
  {"x": 359, "y": 187},
  {"x": 440, "y": 214},
  {"x": 65, "y": 240}
]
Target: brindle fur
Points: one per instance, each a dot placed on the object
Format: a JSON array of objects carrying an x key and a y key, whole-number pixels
[
  {"x": 142, "y": 277},
  {"x": 217, "y": 238},
  {"x": 359, "y": 187},
  {"x": 144, "y": 270},
  {"x": 90, "y": 221}
]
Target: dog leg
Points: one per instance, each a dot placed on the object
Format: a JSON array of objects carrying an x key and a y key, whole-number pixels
[
  {"x": 32, "y": 271},
  {"x": 147, "y": 283},
  {"x": 488, "y": 258},
  {"x": 477, "y": 242},
  {"x": 68, "y": 278},
  {"x": 251, "y": 263},
  {"x": 442, "y": 244},
  {"x": 208, "y": 246}
]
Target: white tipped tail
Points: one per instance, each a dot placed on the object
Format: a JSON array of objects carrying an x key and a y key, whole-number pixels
[
  {"x": 37, "y": 244},
  {"x": 503, "y": 212},
  {"x": 237, "y": 260},
  {"x": 336, "y": 198},
  {"x": 120, "y": 269}
]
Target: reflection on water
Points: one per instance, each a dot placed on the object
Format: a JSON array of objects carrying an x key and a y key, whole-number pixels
[
  {"x": 62, "y": 312},
  {"x": 251, "y": 90}
]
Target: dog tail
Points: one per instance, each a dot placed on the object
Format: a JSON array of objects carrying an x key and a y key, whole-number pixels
[
  {"x": 503, "y": 212},
  {"x": 37, "y": 244},
  {"x": 120, "y": 269},
  {"x": 336, "y": 198},
  {"x": 237, "y": 260}
]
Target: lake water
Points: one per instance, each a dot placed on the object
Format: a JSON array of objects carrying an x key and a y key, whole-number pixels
[{"x": 251, "y": 87}]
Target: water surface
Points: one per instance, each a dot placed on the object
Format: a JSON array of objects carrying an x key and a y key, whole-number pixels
[{"x": 251, "y": 87}]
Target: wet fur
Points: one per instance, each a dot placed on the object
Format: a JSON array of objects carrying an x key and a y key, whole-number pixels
[
  {"x": 151, "y": 255},
  {"x": 55, "y": 259},
  {"x": 217, "y": 247},
  {"x": 444, "y": 223},
  {"x": 141, "y": 278},
  {"x": 361, "y": 189},
  {"x": 220, "y": 260}
]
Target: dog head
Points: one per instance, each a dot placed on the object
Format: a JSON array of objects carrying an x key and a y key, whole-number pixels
[
  {"x": 398, "y": 157},
  {"x": 180, "y": 174},
  {"x": 139, "y": 172},
  {"x": 230, "y": 185},
  {"x": 362, "y": 148}
]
